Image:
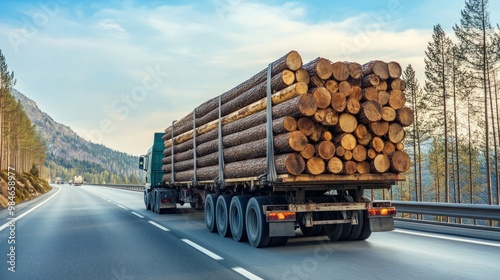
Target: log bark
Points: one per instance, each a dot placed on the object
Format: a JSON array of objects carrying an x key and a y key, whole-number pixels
[
  {"x": 277, "y": 98},
  {"x": 335, "y": 165},
  {"x": 317, "y": 81},
  {"x": 370, "y": 80},
  {"x": 315, "y": 165},
  {"x": 396, "y": 133},
  {"x": 404, "y": 116},
  {"x": 285, "y": 164},
  {"x": 400, "y": 162},
  {"x": 380, "y": 164},
  {"x": 376, "y": 67},
  {"x": 291, "y": 61},
  {"x": 320, "y": 67},
  {"x": 371, "y": 111},
  {"x": 340, "y": 71}
]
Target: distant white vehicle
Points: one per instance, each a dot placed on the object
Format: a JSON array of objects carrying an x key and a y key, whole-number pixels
[{"x": 77, "y": 180}]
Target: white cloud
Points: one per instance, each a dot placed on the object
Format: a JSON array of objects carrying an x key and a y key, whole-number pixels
[{"x": 204, "y": 54}]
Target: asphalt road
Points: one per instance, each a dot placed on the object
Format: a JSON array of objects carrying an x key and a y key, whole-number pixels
[{"x": 91, "y": 232}]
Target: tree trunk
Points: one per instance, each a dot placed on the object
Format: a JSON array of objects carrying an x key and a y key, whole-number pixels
[
  {"x": 405, "y": 116},
  {"x": 379, "y": 128},
  {"x": 346, "y": 140},
  {"x": 340, "y": 71},
  {"x": 315, "y": 165},
  {"x": 325, "y": 149},
  {"x": 335, "y": 165},
  {"x": 397, "y": 99},
  {"x": 322, "y": 96},
  {"x": 339, "y": 102},
  {"x": 380, "y": 164},
  {"x": 371, "y": 111},
  {"x": 320, "y": 67},
  {"x": 400, "y": 162}
]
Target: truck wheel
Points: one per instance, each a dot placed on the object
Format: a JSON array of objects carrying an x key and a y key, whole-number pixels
[
  {"x": 314, "y": 230},
  {"x": 222, "y": 215},
  {"x": 257, "y": 227},
  {"x": 357, "y": 229},
  {"x": 146, "y": 201},
  {"x": 237, "y": 213},
  {"x": 335, "y": 230},
  {"x": 367, "y": 231},
  {"x": 210, "y": 202}
]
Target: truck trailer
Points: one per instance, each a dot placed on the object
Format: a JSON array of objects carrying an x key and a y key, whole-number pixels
[{"x": 259, "y": 174}]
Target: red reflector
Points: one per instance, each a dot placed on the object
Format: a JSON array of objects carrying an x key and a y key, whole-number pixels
[
  {"x": 281, "y": 216},
  {"x": 165, "y": 200},
  {"x": 386, "y": 211}
]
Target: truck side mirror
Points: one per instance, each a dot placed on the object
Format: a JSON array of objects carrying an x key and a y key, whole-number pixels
[{"x": 141, "y": 162}]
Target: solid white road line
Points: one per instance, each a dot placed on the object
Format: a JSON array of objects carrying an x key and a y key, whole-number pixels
[
  {"x": 27, "y": 212},
  {"x": 203, "y": 250},
  {"x": 121, "y": 206},
  {"x": 450, "y": 238},
  {"x": 159, "y": 226},
  {"x": 138, "y": 215},
  {"x": 247, "y": 273}
]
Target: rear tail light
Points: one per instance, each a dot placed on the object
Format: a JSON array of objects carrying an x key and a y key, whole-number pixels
[
  {"x": 382, "y": 211},
  {"x": 163, "y": 200},
  {"x": 281, "y": 216}
]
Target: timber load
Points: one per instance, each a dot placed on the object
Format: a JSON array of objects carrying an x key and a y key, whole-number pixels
[{"x": 319, "y": 120}]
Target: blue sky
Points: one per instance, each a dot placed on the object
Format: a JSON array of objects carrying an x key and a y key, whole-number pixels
[{"x": 117, "y": 71}]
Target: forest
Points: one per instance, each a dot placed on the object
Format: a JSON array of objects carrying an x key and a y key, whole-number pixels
[{"x": 455, "y": 136}]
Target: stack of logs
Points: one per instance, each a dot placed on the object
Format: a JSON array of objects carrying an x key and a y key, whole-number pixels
[{"x": 334, "y": 118}]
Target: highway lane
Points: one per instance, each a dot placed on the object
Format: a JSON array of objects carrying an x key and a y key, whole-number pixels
[
  {"x": 392, "y": 255},
  {"x": 78, "y": 235}
]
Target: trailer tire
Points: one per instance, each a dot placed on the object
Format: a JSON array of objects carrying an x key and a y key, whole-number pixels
[
  {"x": 367, "y": 231},
  {"x": 146, "y": 201},
  {"x": 356, "y": 230},
  {"x": 222, "y": 214},
  {"x": 333, "y": 231},
  {"x": 314, "y": 230},
  {"x": 237, "y": 213},
  {"x": 257, "y": 227},
  {"x": 210, "y": 202}
]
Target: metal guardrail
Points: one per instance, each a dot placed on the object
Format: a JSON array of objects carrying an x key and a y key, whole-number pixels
[
  {"x": 469, "y": 211},
  {"x": 453, "y": 210},
  {"x": 138, "y": 188}
]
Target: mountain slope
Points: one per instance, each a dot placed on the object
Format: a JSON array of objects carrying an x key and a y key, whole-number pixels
[{"x": 69, "y": 154}]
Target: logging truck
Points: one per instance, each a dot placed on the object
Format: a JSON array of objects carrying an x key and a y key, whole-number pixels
[
  {"x": 294, "y": 147},
  {"x": 77, "y": 180}
]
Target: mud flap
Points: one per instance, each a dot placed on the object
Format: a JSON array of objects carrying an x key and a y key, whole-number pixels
[
  {"x": 282, "y": 229},
  {"x": 381, "y": 224}
]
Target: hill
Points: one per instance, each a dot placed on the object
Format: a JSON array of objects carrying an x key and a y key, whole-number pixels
[{"x": 69, "y": 154}]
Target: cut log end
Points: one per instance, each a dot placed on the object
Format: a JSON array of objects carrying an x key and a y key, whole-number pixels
[{"x": 295, "y": 164}]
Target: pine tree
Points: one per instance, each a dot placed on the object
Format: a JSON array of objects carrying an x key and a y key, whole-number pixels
[
  {"x": 477, "y": 49},
  {"x": 437, "y": 72}
]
